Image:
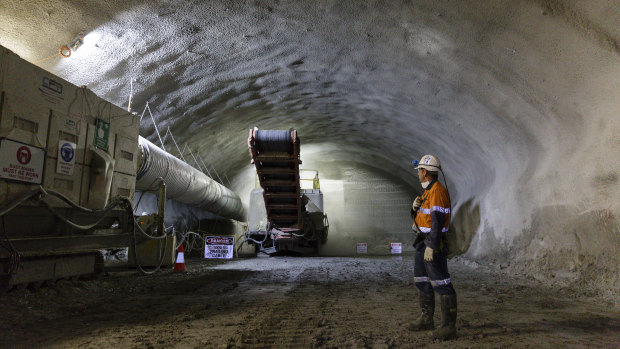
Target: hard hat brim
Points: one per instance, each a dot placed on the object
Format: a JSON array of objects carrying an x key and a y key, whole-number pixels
[{"x": 429, "y": 168}]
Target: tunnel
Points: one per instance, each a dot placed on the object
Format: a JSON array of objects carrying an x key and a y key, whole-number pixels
[{"x": 520, "y": 100}]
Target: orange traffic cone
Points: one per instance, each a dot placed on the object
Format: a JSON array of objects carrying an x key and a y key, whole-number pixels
[{"x": 179, "y": 265}]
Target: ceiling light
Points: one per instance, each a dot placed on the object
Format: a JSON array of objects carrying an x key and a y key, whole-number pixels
[{"x": 65, "y": 51}]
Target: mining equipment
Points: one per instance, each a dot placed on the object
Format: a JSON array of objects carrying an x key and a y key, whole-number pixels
[
  {"x": 284, "y": 216},
  {"x": 70, "y": 163}
]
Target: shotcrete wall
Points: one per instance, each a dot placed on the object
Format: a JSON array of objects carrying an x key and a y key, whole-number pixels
[{"x": 519, "y": 99}]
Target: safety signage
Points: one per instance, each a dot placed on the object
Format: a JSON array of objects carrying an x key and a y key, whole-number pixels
[
  {"x": 219, "y": 247},
  {"x": 66, "y": 158},
  {"x": 362, "y": 247},
  {"x": 21, "y": 162},
  {"x": 102, "y": 132},
  {"x": 396, "y": 247}
]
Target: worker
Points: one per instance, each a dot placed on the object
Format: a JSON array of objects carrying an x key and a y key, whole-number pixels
[{"x": 431, "y": 214}]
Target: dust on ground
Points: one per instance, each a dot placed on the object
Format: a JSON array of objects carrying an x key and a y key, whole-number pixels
[{"x": 287, "y": 302}]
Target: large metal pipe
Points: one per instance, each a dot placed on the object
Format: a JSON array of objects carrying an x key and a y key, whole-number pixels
[{"x": 184, "y": 183}]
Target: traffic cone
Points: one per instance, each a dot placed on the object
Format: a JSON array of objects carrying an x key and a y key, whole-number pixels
[{"x": 179, "y": 265}]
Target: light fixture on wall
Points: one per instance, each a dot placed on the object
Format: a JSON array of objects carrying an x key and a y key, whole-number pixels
[{"x": 66, "y": 50}]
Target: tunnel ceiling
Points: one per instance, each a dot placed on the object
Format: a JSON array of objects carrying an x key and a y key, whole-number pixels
[{"x": 519, "y": 99}]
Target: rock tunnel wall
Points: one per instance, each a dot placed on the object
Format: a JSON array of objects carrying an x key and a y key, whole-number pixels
[{"x": 519, "y": 99}]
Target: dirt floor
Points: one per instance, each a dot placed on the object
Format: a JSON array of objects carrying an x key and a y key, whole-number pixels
[{"x": 287, "y": 302}]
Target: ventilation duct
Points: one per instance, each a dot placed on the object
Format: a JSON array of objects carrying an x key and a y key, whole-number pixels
[{"x": 184, "y": 183}]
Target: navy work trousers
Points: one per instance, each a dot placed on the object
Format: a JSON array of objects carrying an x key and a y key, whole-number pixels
[{"x": 432, "y": 276}]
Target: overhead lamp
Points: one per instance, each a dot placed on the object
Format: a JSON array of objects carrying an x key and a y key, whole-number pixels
[{"x": 65, "y": 51}]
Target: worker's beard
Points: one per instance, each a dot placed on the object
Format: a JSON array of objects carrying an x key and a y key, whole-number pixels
[{"x": 425, "y": 184}]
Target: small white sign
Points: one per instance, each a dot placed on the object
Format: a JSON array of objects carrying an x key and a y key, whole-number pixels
[
  {"x": 219, "y": 247},
  {"x": 66, "y": 158},
  {"x": 362, "y": 247},
  {"x": 21, "y": 162},
  {"x": 396, "y": 247}
]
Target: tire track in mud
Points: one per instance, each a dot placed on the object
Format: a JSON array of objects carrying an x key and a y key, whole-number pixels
[
  {"x": 327, "y": 308},
  {"x": 299, "y": 319},
  {"x": 301, "y": 303}
]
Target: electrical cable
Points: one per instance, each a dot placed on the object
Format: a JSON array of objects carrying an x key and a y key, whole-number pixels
[
  {"x": 81, "y": 208},
  {"x": 259, "y": 243},
  {"x": 46, "y": 58},
  {"x": 195, "y": 242},
  {"x": 130, "y": 210},
  {"x": 79, "y": 226},
  {"x": 20, "y": 199},
  {"x": 14, "y": 256},
  {"x": 147, "y": 235},
  {"x": 161, "y": 258}
]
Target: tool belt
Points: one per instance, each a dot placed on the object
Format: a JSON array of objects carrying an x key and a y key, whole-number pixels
[{"x": 420, "y": 237}]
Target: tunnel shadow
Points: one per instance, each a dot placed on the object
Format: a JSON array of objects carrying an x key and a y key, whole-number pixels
[
  {"x": 97, "y": 306},
  {"x": 571, "y": 325},
  {"x": 464, "y": 225},
  {"x": 592, "y": 324}
]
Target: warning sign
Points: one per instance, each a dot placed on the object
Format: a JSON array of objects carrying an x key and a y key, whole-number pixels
[
  {"x": 396, "y": 247},
  {"x": 66, "y": 158},
  {"x": 362, "y": 247},
  {"x": 21, "y": 162},
  {"x": 219, "y": 247}
]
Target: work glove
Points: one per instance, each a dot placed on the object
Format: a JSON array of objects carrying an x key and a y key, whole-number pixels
[
  {"x": 416, "y": 204},
  {"x": 428, "y": 254}
]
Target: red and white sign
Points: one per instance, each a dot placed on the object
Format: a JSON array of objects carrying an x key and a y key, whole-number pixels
[
  {"x": 362, "y": 247},
  {"x": 219, "y": 247},
  {"x": 396, "y": 247},
  {"x": 218, "y": 240},
  {"x": 21, "y": 162}
]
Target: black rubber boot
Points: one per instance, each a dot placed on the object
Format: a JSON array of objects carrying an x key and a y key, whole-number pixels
[
  {"x": 425, "y": 321},
  {"x": 447, "y": 329}
]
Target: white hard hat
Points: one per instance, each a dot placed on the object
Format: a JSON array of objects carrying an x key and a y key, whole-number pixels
[{"x": 429, "y": 163}]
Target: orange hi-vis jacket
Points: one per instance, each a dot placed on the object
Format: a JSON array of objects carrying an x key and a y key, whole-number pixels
[{"x": 433, "y": 216}]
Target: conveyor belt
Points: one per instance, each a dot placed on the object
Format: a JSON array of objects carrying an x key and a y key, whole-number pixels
[{"x": 275, "y": 153}]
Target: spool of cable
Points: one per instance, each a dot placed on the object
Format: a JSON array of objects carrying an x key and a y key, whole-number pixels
[{"x": 274, "y": 141}]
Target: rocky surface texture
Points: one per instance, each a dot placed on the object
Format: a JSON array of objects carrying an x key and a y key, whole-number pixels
[
  {"x": 286, "y": 302},
  {"x": 519, "y": 99}
]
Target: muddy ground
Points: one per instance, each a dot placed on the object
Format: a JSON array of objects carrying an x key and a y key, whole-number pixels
[{"x": 287, "y": 302}]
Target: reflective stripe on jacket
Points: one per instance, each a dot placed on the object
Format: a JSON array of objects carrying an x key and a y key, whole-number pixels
[{"x": 433, "y": 217}]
